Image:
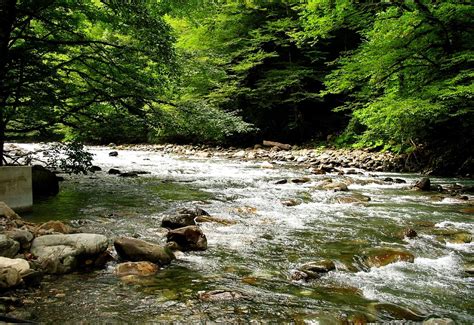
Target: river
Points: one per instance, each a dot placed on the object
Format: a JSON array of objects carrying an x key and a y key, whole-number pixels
[{"x": 266, "y": 242}]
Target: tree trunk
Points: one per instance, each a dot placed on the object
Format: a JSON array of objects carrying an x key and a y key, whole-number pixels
[{"x": 7, "y": 18}]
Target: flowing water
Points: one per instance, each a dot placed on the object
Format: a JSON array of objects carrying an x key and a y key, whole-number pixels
[{"x": 256, "y": 254}]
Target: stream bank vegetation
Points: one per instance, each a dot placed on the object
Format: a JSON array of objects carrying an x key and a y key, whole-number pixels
[{"x": 384, "y": 76}]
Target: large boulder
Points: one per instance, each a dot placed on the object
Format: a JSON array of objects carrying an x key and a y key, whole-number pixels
[
  {"x": 182, "y": 217},
  {"x": 132, "y": 249},
  {"x": 190, "y": 238},
  {"x": 64, "y": 253},
  {"x": 142, "y": 268},
  {"x": 45, "y": 182},
  {"x": 8, "y": 246}
]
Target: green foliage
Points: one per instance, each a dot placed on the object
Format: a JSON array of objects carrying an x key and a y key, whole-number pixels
[
  {"x": 412, "y": 73},
  {"x": 70, "y": 157},
  {"x": 245, "y": 58},
  {"x": 71, "y": 62},
  {"x": 196, "y": 122}
]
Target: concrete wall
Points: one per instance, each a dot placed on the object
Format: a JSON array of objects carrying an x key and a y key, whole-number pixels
[{"x": 15, "y": 187}]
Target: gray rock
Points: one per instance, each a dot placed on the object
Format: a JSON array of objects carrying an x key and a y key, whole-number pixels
[
  {"x": 131, "y": 249},
  {"x": 8, "y": 246},
  {"x": 63, "y": 253},
  {"x": 24, "y": 237},
  {"x": 190, "y": 238},
  {"x": 113, "y": 154}
]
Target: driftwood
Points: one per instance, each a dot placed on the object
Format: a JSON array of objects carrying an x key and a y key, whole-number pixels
[{"x": 283, "y": 146}]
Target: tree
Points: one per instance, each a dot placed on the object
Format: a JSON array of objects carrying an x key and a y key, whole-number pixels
[
  {"x": 64, "y": 61},
  {"x": 412, "y": 75}
]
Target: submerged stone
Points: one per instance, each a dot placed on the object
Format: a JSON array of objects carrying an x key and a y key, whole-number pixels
[
  {"x": 220, "y": 295},
  {"x": 383, "y": 256},
  {"x": 352, "y": 198},
  {"x": 407, "y": 233},
  {"x": 390, "y": 311},
  {"x": 142, "y": 268}
]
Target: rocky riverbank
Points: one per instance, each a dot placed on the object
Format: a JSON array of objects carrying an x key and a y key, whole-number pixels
[{"x": 325, "y": 159}]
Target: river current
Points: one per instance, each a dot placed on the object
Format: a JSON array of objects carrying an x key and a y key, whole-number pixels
[{"x": 263, "y": 242}]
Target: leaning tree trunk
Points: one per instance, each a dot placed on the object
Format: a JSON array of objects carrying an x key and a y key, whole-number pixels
[{"x": 7, "y": 18}]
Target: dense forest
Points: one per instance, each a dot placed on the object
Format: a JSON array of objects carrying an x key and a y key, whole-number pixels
[{"x": 383, "y": 75}]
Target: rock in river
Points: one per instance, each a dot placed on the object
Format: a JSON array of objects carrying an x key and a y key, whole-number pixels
[
  {"x": 423, "y": 184},
  {"x": 182, "y": 218},
  {"x": 355, "y": 198},
  {"x": 328, "y": 184},
  {"x": 190, "y": 238},
  {"x": 131, "y": 249},
  {"x": 64, "y": 253},
  {"x": 314, "y": 270},
  {"x": 378, "y": 257},
  {"x": 142, "y": 268},
  {"x": 219, "y": 295}
]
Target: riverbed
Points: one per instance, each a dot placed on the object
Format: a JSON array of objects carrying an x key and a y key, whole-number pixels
[{"x": 272, "y": 229}]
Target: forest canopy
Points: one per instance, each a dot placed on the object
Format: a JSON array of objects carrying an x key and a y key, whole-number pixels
[{"x": 385, "y": 75}]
